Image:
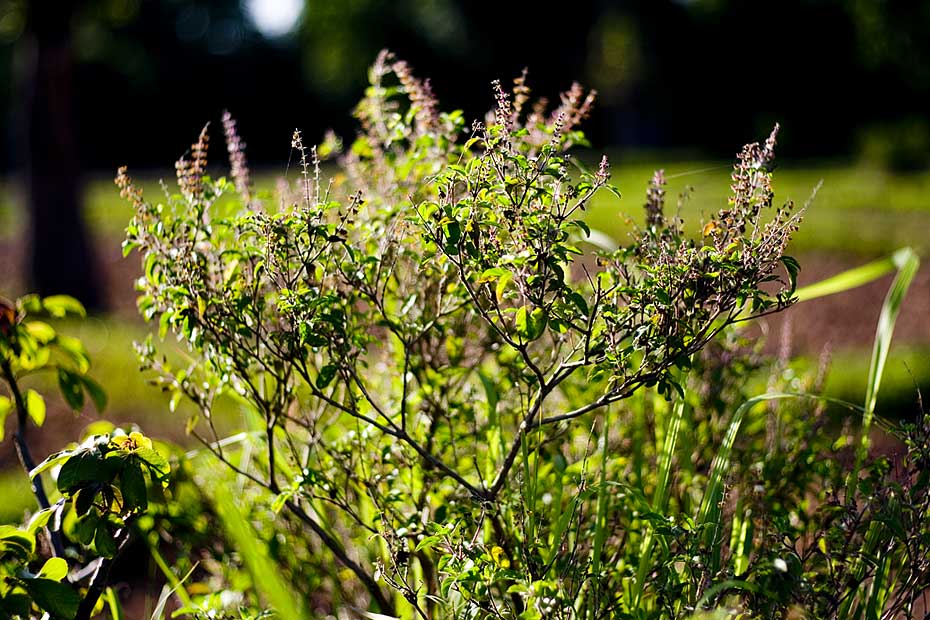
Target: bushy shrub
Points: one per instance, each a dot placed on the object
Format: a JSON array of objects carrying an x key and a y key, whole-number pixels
[{"x": 450, "y": 392}]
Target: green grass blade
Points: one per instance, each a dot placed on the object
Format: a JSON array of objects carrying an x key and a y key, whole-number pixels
[
  {"x": 600, "y": 533},
  {"x": 850, "y": 279},
  {"x": 907, "y": 263},
  {"x": 710, "y": 514},
  {"x": 177, "y": 585},
  {"x": 265, "y": 574},
  {"x": 113, "y": 605},
  {"x": 660, "y": 497}
]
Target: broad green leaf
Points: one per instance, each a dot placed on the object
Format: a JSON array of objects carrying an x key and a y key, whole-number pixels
[
  {"x": 55, "y": 569},
  {"x": 41, "y": 331},
  {"x": 326, "y": 376},
  {"x": 489, "y": 275},
  {"x": 50, "y": 461},
  {"x": 20, "y": 542},
  {"x": 40, "y": 519},
  {"x": 59, "y": 306},
  {"x": 502, "y": 283},
  {"x": 83, "y": 499},
  {"x": 74, "y": 349},
  {"x": 520, "y": 320},
  {"x": 158, "y": 464},
  {"x": 71, "y": 389},
  {"x": 84, "y": 468},
  {"x": 85, "y": 528},
  {"x": 530, "y": 325},
  {"x": 58, "y": 599},
  {"x": 103, "y": 540},
  {"x": 35, "y": 407},
  {"x": 95, "y": 391},
  {"x": 132, "y": 486},
  {"x": 16, "y": 604}
]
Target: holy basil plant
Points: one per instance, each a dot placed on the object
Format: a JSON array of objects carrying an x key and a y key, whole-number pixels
[{"x": 417, "y": 339}]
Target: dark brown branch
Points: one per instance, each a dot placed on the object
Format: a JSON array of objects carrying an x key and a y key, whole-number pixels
[
  {"x": 384, "y": 604},
  {"x": 98, "y": 582},
  {"x": 25, "y": 456}
]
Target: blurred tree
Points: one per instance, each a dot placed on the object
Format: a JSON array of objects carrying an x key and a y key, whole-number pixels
[{"x": 60, "y": 255}]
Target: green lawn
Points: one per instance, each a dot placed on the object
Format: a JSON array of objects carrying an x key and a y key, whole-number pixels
[{"x": 859, "y": 209}]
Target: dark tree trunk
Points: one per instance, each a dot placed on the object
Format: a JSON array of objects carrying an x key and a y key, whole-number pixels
[{"x": 60, "y": 255}]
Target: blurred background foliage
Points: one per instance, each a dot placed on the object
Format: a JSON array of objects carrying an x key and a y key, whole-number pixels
[{"x": 843, "y": 77}]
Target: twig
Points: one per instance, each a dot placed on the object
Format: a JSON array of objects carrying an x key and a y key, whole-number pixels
[
  {"x": 384, "y": 604},
  {"x": 25, "y": 456}
]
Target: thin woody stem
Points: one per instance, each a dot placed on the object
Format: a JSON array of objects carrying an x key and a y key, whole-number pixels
[{"x": 24, "y": 454}]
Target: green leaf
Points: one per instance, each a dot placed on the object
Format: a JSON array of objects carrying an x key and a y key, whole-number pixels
[
  {"x": 84, "y": 468},
  {"x": 51, "y": 461},
  {"x": 59, "y": 306},
  {"x": 58, "y": 599},
  {"x": 583, "y": 226},
  {"x": 35, "y": 407},
  {"x": 326, "y": 376},
  {"x": 83, "y": 499},
  {"x": 42, "y": 332},
  {"x": 74, "y": 349},
  {"x": 71, "y": 389},
  {"x": 580, "y": 302},
  {"x": 16, "y": 604},
  {"x": 18, "y": 541},
  {"x": 95, "y": 391},
  {"x": 55, "y": 569},
  {"x": 6, "y": 405},
  {"x": 40, "y": 519},
  {"x": 502, "y": 283},
  {"x": 792, "y": 267},
  {"x": 530, "y": 325},
  {"x": 132, "y": 486},
  {"x": 158, "y": 464},
  {"x": 520, "y": 320},
  {"x": 453, "y": 232},
  {"x": 85, "y": 528},
  {"x": 489, "y": 275},
  {"x": 103, "y": 540}
]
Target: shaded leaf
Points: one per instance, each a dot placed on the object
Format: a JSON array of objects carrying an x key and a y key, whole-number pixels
[
  {"x": 95, "y": 391},
  {"x": 132, "y": 486},
  {"x": 103, "y": 540},
  {"x": 327, "y": 374},
  {"x": 71, "y": 389},
  {"x": 58, "y": 599}
]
